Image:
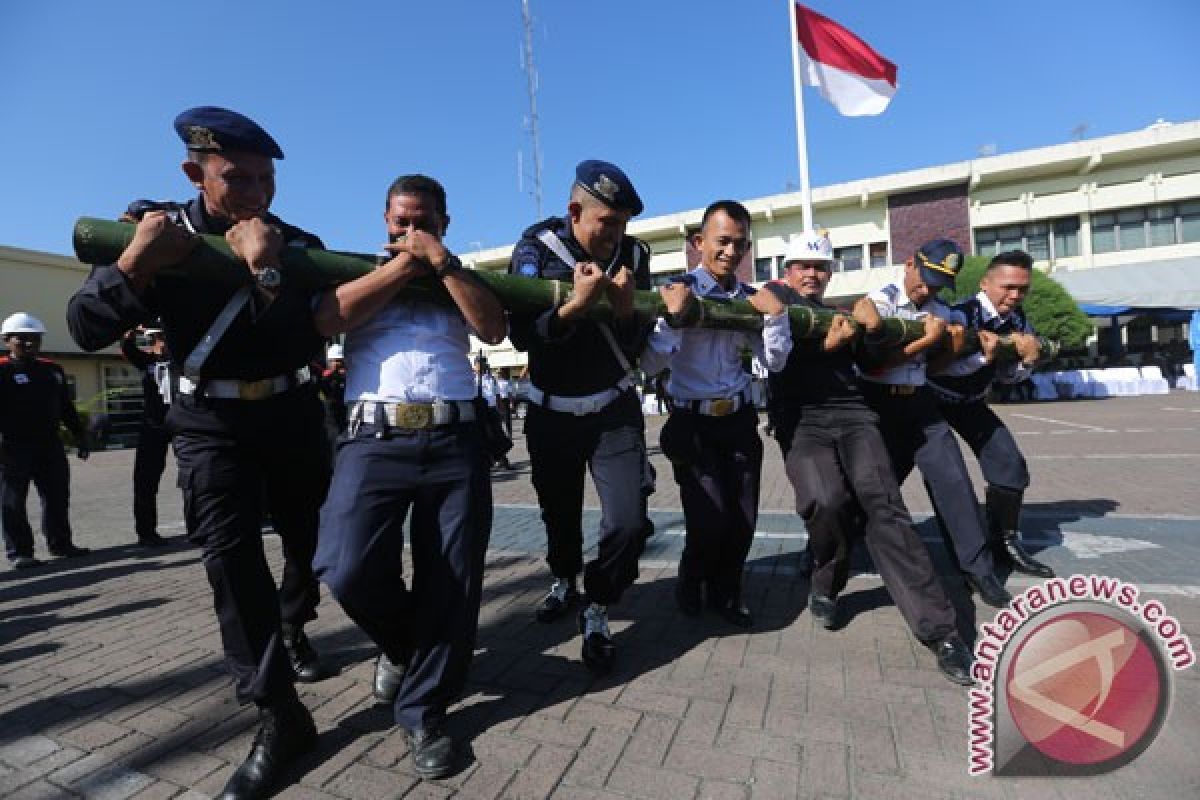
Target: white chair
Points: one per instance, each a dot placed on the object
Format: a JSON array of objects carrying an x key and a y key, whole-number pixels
[
  {"x": 1153, "y": 381},
  {"x": 1188, "y": 381}
]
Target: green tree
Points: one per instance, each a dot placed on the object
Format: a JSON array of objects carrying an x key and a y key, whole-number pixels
[{"x": 1051, "y": 309}]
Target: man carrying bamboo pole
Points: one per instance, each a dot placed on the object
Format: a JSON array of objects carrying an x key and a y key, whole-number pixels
[
  {"x": 913, "y": 430},
  {"x": 712, "y": 436},
  {"x": 583, "y": 409},
  {"x": 838, "y": 465},
  {"x": 414, "y": 449},
  {"x": 245, "y": 417},
  {"x": 961, "y": 390}
]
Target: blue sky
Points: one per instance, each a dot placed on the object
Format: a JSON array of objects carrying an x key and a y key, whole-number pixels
[{"x": 692, "y": 98}]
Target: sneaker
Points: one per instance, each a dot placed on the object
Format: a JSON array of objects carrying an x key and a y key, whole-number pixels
[
  {"x": 598, "y": 649},
  {"x": 562, "y": 596}
]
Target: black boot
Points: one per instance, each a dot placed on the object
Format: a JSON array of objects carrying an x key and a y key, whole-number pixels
[
  {"x": 304, "y": 658},
  {"x": 285, "y": 733},
  {"x": 1003, "y": 517},
  {"x": 388, "y": 677}
]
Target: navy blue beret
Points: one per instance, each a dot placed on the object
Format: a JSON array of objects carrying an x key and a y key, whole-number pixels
[
  {"x": 209, "y": 129},
  {"x": 939, "y": 262},
  {"x": 607, "y": 183}
]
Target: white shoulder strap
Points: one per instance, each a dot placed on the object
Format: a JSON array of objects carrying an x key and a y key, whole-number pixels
[{"x": 551, "y": 240}]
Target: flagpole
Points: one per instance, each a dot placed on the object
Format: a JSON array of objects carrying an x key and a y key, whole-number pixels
[{"x": 801, "y": 139}]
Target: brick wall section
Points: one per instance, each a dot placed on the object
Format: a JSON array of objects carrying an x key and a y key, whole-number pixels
[{"x": 916, "y": 217}]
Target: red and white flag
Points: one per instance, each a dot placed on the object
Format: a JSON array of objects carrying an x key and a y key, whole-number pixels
[{"x": 856, "y": 79}]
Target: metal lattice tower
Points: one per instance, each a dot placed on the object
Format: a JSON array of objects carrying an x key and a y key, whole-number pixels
[{"x": 531, "y": 80}]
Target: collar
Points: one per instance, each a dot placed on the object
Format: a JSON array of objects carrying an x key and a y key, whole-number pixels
[
  {"x": 706, "y": 286},
  {"x": 988, "y": 310},
  {"x": 902, "y": 298}
]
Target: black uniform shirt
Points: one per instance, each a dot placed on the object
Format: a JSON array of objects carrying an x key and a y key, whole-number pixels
[
  {"x": 961, "y": 385},
  {"x": 34, "y": 398},
  {"x": 813, "y": 377},
  {"x": 259, "y": 343},
  {"x": 574, "y": 359}
]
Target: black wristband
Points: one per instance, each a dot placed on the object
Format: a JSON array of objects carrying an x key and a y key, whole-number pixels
[{"x": 453, "y": 264}]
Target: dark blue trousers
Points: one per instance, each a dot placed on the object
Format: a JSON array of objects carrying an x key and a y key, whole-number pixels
[
  {"x": 441, "y": 476},
  {"x": 989, "y": 438},
  {"x": 717, "y": 462},
  {"x": 611, "y": 443},
  {"x": 915, "y": 433}
]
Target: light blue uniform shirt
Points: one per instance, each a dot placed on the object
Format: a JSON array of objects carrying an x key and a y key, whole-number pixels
[{"x": 706, "y": 364}]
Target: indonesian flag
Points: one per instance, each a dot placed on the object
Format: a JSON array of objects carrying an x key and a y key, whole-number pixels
[{"x": 856, "y": 79}]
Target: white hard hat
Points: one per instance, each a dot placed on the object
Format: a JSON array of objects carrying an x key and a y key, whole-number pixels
[
  {"x": 335, "y": 351},
  {"x": 808, "y": 246},
  {"x": 21, "y": 322}
]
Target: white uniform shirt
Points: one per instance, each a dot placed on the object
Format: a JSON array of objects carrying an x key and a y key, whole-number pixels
[
  {"x": 409, "y": 352},
  {"x": 893, "y": 301},
  {"x": 706, "y": 364}
]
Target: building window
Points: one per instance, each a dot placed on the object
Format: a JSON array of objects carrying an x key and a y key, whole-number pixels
[
  {"x": 848, "y": 259},
  {"x": 1044, "y": 241},
  {"x": 1149, "y": 226},
  {"x": 879, "y": 256},
  {"x": 763, "y": 269}
]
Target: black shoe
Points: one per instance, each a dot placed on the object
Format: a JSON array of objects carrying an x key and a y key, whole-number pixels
[
  {"x": 1014, "y": 553},
  {"x": 27, "y": 562},
  {"x": 687, "y": 596},
  {"x": 824, "y": 610},
  {"x": 151, "y": 540},
  {"x": 558, "y": 601},
  {"x": 304, "y": 658},
  {"x": 69, "y": 550},
  {"x": 286, "y": 733},
  {"x": 989, "y": 590},
  {"x": 599, "y": 652},
  {"x": 388, "y": 677},
  {"x": 731, "y": 608},
  {"x": 954, "y": 660},
  {"x": 432, "y": 752}
]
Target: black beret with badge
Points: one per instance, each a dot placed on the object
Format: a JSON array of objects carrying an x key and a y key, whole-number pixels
[
  {"x": 608, "y": 184},
  {"x": 939, "y": 262},
  {"x": 210, "y": 129}
]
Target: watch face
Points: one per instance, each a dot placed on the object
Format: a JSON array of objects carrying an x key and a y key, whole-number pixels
[{"x": 269, "y": 278}]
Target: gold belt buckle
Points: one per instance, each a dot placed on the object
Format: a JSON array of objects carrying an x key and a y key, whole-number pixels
[
  {"x": 720, "y": 408},
  {"x": 414, "y": 416},
  {"x": 256, "y": 390}
]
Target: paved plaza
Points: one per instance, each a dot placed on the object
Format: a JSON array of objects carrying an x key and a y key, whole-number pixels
[{"x": 112, "y": 686}]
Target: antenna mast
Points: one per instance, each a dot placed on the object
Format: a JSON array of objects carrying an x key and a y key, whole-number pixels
[{"x": 532, "y": 84}]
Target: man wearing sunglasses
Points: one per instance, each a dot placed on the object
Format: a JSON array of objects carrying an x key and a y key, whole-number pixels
[{"x": 34, "y": 399}]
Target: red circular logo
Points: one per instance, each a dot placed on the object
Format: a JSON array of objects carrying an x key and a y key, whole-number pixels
[{"x": 1085, "y": 688}]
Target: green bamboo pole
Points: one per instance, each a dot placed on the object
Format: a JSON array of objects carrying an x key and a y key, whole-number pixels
[{"x": 100, "y": 241}]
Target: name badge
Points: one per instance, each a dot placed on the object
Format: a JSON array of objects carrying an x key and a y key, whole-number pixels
[{"x": 21, "y": 377}]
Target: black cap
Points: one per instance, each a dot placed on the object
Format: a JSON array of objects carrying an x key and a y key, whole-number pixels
[
  {"x": 608, "y": 184},
  {"x": 939, "y": 262},
  {"x": 209, "y": 129}
]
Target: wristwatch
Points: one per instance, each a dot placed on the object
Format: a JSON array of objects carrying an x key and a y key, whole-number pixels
[
  {"x": 268, "y": 277},
  {"x": 453, "y": 264}
]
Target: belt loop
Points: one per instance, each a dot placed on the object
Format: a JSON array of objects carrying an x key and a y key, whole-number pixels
[{"x": 384, "y": 432}]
